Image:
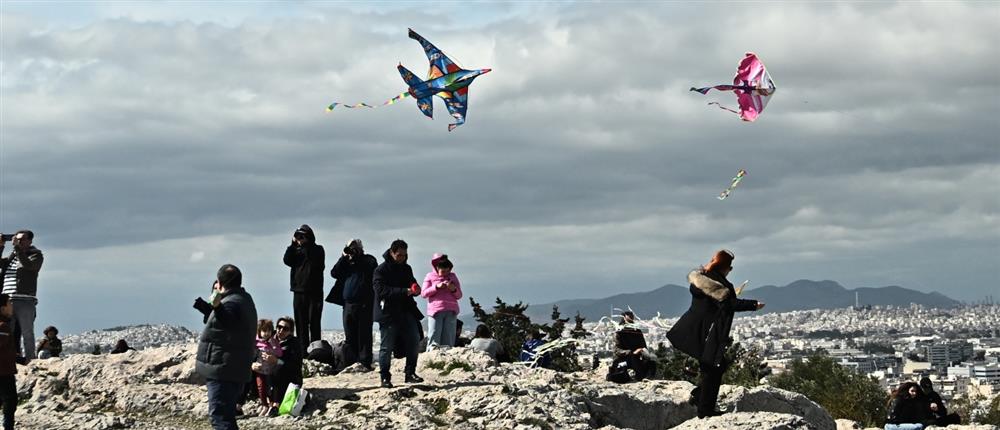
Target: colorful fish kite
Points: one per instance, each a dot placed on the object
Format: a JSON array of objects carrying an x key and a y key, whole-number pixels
[
  {"x": 444, "y": 79},
  {"x": 736, "y": 181},
  {"x": 753, "y": 87}
]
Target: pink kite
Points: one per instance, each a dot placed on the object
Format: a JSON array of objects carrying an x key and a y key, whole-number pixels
[{"x": 753, "y": 87}]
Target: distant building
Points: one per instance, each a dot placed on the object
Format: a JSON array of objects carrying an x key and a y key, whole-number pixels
[
  {"x": 943, "y": 354},
  {"x": 988, "y": 373}
]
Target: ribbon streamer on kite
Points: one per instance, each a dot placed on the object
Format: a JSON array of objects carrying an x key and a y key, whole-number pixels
[
  {"x": 358, "y": 105},
  {"x": 752, "y": 85},
  {"x": 736, "y": 181}
]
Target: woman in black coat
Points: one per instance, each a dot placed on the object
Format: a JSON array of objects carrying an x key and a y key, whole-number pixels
[
  {"x": 909, "y": 409},
  {"x": 703, "y": 331}
]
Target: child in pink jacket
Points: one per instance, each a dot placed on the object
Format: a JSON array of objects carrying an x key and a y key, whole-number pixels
[{"x": 442, "y": 291}]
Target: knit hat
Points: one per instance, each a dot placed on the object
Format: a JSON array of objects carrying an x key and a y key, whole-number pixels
[
  {"x": 439, "y": 260},
  {"x": 723, "y": 259}
]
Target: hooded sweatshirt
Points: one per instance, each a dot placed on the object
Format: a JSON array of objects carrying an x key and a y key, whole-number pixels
[
  {"x": 307, "y": 264},
  {"x": 440, "y": 299}
]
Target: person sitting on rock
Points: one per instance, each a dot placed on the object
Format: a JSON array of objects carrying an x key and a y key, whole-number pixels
[
  {"x": 459, "y": 340},
  {"x": 909, "y": 409},
  {"x": 485, "y": 342},
  {"x": 50, "y": 345},
  {"x": 531, "y": 345},
  {"x": 289, "y": 366},
  {"x": 267, "y": 343},
  {"x": 939, "y": 413},
  {"x": 121, "y": 347},
  {"x": 630, "y": 347}
]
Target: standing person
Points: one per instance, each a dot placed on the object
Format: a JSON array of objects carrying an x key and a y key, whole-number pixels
[
  {"x": 19, "y": 272},
  {"x": 227, "y": 345},
  {"x": 289, "y": 367},
  {"x": 938, "y": 411},
  {"x": 909, "y": 409},
  {"x": 703, "y": 331},
  {"x": 396, "y": 312},
  {"x": 50, "y": 345},
  {"x": 8, "y": 358},
  {"x": 353, "y": 290},
  {"x": 307, "y": 262},
  {"x": 442, "y": 291}
]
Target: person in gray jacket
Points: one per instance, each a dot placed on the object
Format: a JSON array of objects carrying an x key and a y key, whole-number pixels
[{"x": 227, "y": 345}]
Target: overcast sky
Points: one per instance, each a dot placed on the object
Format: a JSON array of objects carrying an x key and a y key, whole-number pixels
[{"x": 146, "y": 144}]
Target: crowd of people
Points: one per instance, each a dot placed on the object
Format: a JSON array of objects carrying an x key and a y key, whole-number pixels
[{"x": 241, "y": 356}]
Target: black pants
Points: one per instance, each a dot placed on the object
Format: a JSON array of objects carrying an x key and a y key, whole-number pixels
[
  {"x": 358, "y": 334},
  {"x": 403, "y": 331},
  {"x": 8, "y": 394},
  {"x": 707, "y": 392},
  {"x": 945, "y": 420},
  {"x": 308, "y": 316},
  {"x": 644, "y": 367}
]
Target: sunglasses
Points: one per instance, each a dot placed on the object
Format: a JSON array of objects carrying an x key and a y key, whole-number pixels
[{"x": 283, "y": 327}]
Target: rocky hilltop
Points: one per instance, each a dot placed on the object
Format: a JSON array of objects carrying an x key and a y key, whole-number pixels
[{"x": 157, "y": 388}]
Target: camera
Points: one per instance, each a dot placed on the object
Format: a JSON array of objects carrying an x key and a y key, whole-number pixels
[
  {"x": 7, "y": 237},
  {"x": 350, "y": 250}
]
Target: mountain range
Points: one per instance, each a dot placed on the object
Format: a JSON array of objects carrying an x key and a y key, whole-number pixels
[{"x": 672, "y": 300}]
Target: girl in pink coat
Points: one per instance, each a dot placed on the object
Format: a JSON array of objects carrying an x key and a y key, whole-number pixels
[{"x": 442, "y": 291}]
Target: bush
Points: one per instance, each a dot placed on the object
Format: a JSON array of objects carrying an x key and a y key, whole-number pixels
[
  {"x": 843, "y": 392},
  {"x": 747, "y": 368},
  {"x": 511, "y": 328}
]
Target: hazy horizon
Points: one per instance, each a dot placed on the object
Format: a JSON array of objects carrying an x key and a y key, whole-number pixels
[{"x": 585, "y": 168}]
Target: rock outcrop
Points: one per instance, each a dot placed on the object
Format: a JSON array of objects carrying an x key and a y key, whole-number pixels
[{"x": 158, "y": 389}]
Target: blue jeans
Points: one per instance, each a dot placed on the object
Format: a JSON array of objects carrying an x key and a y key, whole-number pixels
[
  {"x": 904, "y": 427},
  {"x": 402, "y": 332},
  {"x": 222, "y": 397},
  {"x": 442, "y": 328},
  {"x": 24, "y": 325}
]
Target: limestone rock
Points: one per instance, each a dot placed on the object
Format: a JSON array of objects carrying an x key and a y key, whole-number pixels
[
  {"x": 843, "y": 424},
  {"x": 770, "y": 399},
  {"x": 748, "y": 421}
]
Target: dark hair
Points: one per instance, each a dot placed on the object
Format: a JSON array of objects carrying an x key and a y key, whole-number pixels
[
  {"x": 265, "y": 324},
  {"x": 27, "y": 233},
  {"x": 229, "y": 276},
  {"x": 444, "y": 263},
  {"x": 628, "y": 315},
  {"x": 397, "y": 245},
  {"x": 903, "y": 392},
  {"x": 50, "y": 328},
  {"x": 290, "y": 321},
  {"x": 4, "y": 299},
  {"x": 482, "y": 331}
]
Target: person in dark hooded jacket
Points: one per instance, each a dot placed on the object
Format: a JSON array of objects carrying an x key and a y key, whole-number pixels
[
  {"x": 909, "y": 409},
  {"x": 703, "y": 331},
  {"x": 938, "y": 411},
  {"x": 353, "y": 290},
  {"x": 307, "y": 262},
  {"x": 396, "y": 312}
]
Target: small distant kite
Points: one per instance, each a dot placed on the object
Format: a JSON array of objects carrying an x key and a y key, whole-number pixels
[
  {"x": 444, "y": 79},
  {"x": 753, "y": 87},
  {"x": 736, "y": 181}
]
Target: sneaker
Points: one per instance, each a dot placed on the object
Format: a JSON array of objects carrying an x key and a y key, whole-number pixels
[
  {"x": 367, "y": 368},
  {"x": 387, "y": 384},
  {"x": 272, "y": 412},
  {"x": 413, "y": 379}
]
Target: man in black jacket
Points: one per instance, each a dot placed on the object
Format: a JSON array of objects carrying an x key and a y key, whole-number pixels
[
  {"x": 938, "y": 411},
  {"x": 227, "y": 345},
  {"x": 353, "y": 290},
  {"x": 307, "y": 262},
  {"x": 396, "y": 312}
]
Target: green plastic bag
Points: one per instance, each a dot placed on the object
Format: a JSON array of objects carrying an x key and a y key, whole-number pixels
[{"x": 291, "y": 397}]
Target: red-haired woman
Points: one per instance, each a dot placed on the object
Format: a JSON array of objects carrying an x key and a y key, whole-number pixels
[{"x": 703, "y": 331}]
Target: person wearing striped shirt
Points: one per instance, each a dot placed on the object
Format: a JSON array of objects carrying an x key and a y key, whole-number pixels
[{"x": 19, "y": 272}]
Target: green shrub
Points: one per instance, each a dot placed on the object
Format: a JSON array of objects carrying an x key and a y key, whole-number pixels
[{"x": 843, "y": 392}]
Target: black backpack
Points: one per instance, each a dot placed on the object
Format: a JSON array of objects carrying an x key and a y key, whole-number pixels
[{"x": 619, "y": 371}]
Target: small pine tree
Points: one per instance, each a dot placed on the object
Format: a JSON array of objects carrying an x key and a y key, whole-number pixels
[
  {"x": 578, "y": 331},
  {"x": 992, "y": 415},
  {"x": 747, "y": 368},
  {"x": 843, "y": 392}
]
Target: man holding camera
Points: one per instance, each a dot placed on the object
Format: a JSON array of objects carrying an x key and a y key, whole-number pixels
[
  {"x": 307, "y": 262},
  {"x": 19, "y": 273},
  {"x": 353, "y": 291},
  {"x": 227, "y": 346}
]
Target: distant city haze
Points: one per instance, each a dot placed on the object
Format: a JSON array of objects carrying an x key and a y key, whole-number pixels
[{"x": 585, "y": 169}]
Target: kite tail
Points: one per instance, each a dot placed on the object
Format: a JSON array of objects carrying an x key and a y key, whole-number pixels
[
  {"x": 359, "y": 105},
  {"x": 724, "y": 108}
]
